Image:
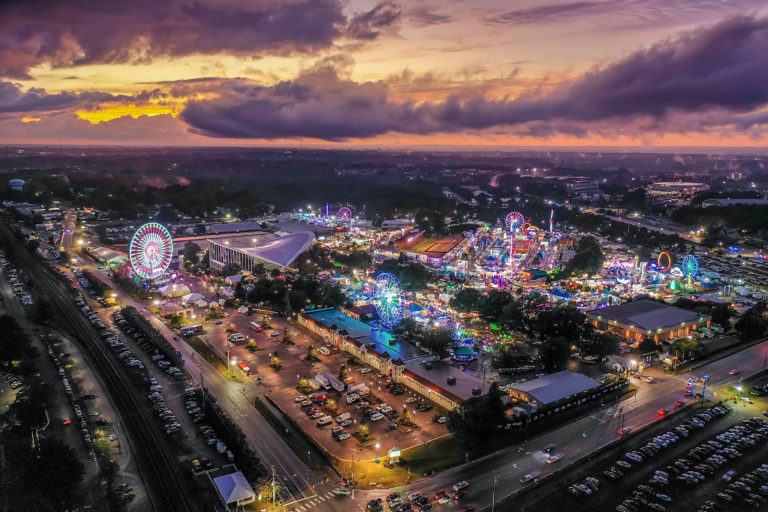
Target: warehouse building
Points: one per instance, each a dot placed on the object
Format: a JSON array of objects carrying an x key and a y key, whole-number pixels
[
  {"x": 554, "y": 389},
  {"x": 635, "y": 321}
]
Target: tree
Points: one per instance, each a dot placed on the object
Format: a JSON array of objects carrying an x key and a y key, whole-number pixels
[
  {"x": 407, "y": 330},
  {"x": 343, "y": 373},
  {"x": 466, "y": 300},
  {"x": 240, "y": 291},
  {"x": 647, "y": 346},
  {"x": 288, "y": 338},
  {"x": 600, "y": 345},
  {"x": 492, "y": 305},
  {"x": 554, "y": 353},
  {"x": 405, "y": 417},
  {"x": 588, "y": 258},
  {"x": 564, "y": 322},
  {"x": 56, "y": 470},
  {"x": 230, "y": 269},
  {"x": 274, "y": 361},
  {"x": 192, "y": 253},
  {"x": 753, "y": 325},
  {"x": 312, "y": 354},
  {"x": 439, "y": 341}
]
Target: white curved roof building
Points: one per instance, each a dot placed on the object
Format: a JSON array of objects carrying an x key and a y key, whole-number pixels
[{"x": 276, "y": 252}]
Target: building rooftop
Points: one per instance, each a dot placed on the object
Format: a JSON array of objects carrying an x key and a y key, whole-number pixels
[
  {"x": 431, "y": 247},
  {"x": 234, "y": 487},
  {"x": 437, "y": 376},
  {"x": 364, "y": 334},
  {"x": 556, "y": 386},
  {"x": 280, "y": 251},
  {"x": 235, "y": 227},
  {"x": 645, "y": 314}
]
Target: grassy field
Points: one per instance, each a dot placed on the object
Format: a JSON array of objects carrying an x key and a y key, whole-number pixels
[
  {"x": 415, "y": 463},
  {"x": 209, "y": 355}
]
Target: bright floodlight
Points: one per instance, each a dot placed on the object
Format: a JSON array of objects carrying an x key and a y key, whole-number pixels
[{"x": 151, "y": 250}]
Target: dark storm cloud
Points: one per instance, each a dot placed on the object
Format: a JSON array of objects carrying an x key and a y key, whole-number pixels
[
  {"x": 62, "y": 33},
  {"x": 13, "y": 100},
  {"x": 369, "y": 24},
  {"x": 718, "y": 69}
]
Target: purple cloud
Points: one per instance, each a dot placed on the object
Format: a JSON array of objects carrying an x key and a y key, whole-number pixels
[
  {"x": 718, "y": 70},
  {"x": 61, "y": 34}
]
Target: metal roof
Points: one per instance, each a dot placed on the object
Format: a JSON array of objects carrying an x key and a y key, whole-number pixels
[
  {"x": 646, "y": 315},
  {"x": 556, "y": 386}
]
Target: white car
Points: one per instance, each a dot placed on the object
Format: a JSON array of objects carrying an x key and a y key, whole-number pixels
[
  {"x": 377, "y": 416},
  {"x": 299, "y": 399},
  {"x": 410, "y": 399},
  {"x": 365, "y": 370},
  {"x": 461, "y": 485}
]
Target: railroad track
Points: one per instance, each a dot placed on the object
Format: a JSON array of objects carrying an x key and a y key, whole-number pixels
[{"x": 160, "y": 471}]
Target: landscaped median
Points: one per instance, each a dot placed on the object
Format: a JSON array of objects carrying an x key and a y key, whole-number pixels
[
  {"x": 209, "y": 355},
  {"x": 414, "y": 463}
]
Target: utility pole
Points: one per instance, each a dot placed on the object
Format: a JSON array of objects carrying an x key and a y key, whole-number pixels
[
  {"x": 273, "y": 488},
  {"x": 493, "y": 495}
]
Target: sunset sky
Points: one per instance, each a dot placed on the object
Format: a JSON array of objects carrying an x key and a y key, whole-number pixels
[{"x": 385, "y": 73}]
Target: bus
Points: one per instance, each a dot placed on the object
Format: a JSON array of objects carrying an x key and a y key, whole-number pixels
[
  {"x": 256, "y": 327},
  {"x": 191, "y": 330},
  {"x": 244, "y": 367}
]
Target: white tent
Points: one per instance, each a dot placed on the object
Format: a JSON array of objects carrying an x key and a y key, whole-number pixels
[
  {"x": 193, "y": 297},
  {"x": 174, "y": 290},
  {"x": 201, "y": 303}
]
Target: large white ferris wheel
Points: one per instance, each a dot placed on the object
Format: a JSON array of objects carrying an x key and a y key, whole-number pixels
[{"x": 151, "y": 250}]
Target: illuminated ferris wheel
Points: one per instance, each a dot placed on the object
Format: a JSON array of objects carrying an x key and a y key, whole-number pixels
[
  {"x": 514, "y": 221},
  {"x": 151, "y": 250},
  {"x": 345, "y": 213},
  {"x": 690, "y": 266},
  {"x": 388, "y": 299}
]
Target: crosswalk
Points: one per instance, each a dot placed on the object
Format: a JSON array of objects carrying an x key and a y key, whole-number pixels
[{"x": 308, "y": 503}]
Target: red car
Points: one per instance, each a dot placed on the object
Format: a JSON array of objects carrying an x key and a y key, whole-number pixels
[
  {"x": 679, "y": 403},
  {"x": 662, "y": 412},
  {"x": 734, "y": 372},
  {"x": 622, "y": 431},
  {"x": 67, "y": 421}
]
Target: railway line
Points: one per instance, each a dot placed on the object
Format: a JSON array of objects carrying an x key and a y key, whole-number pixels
[{"x": 157, "y": 466}]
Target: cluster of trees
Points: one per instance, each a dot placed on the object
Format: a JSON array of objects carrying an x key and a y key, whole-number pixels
[
  {"x": 753, "y": 324},
  {"x": 558, "y": 327},
  {"x": 588, "y": 258},
  {"x": 476, "y": 424},
  {"x": 413, "y": 276},
  {"x": 614, "y": 230},
  {"x": 360, "y": 260},
  {"x": 720, "y": 312},
  {"x": 439, "y": 341},
  {"x": 752, "y": 218},
  {"x": 295, "y": 294}
]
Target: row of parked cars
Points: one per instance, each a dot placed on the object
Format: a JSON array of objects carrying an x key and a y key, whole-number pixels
[
  {"x": 751, "y": 488},
  {"x": 71, "y": 390},
  {"x": 157, "y": 358},
  {"x": 192, "y": 402},
  {"x": 170, "y": 424},
  {"x": 14, "y": 279}
]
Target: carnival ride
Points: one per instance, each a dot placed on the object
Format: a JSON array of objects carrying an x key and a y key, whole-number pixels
[
  {"x": 151, "y": 250},
  {"x": 345, "y": 214},
  {"x": 388, "y": 299}
]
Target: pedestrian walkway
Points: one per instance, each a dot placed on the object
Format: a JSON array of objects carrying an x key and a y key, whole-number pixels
[{"x": 311, "y": 502}]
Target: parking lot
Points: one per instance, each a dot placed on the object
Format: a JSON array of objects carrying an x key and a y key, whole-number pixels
[
  {"x": 281, "y": 385},
  {"x": 678, "y": 465}
]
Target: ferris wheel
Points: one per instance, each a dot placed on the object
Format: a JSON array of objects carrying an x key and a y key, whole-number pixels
[
  {"x": 388, "y": 299},
  {"x": 664, "y": 262},
  {"x": 151, "y": 250},
  {"x": 345, "y": 213},
  {"x": 514, "y": 221},
  {"x": 690, "y": 266}
]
